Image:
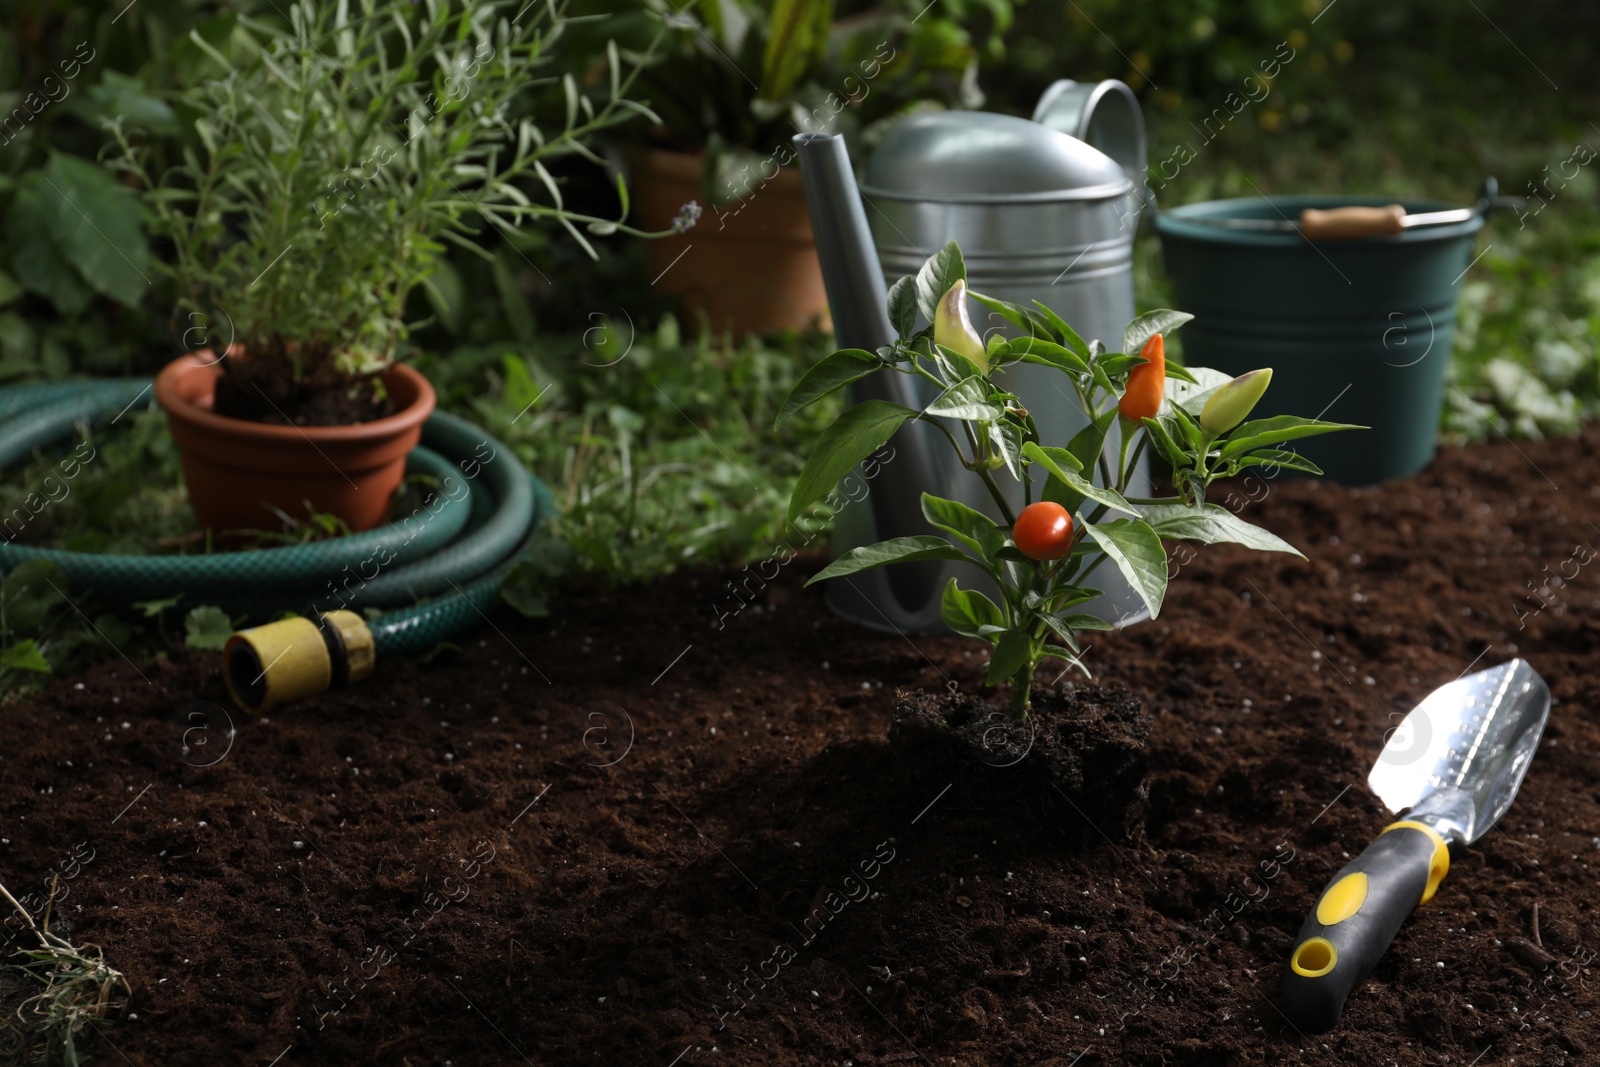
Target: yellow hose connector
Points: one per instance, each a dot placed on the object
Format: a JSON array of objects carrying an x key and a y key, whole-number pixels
[{"x": 287, "y": 660}]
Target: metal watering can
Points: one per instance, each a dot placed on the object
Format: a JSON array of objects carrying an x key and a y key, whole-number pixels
[{"x": 1041, "y": 213}]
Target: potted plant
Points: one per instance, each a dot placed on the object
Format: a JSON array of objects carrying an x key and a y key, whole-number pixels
[
  {"x": 737, "y": 80},
  {"x": 330, "y": 162},
  {"x": 1042, "y": 558}
]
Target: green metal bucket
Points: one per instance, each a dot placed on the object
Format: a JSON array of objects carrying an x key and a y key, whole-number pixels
[{"x": 1355, "y": 331}]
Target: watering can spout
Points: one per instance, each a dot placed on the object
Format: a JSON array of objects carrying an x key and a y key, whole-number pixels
[
  {"x": 857, "y": 299},
  {"x": 904, "y": 596}
]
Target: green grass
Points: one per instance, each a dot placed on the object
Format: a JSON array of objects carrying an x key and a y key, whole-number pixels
[{"x": 659, "y": 457}]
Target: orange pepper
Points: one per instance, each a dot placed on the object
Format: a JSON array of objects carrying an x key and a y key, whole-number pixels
[{"x": 1146, "y": 383}]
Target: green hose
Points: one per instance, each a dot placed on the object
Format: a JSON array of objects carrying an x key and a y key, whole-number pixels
[{"x": 434, "y": 573}]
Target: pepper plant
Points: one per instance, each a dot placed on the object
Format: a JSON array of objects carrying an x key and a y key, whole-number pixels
[{"x": 1075, "y": 514}]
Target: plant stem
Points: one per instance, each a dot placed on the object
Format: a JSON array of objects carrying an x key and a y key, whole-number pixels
[
  {"x": 948, "y": 436},
  {"x": 1022, "y": 691},
  {"x": 999, "y": 498},
  {"x": 1131, "y": 464},
  {"x": 988, "y": 478},
  {"x": 980, "y": 445}
]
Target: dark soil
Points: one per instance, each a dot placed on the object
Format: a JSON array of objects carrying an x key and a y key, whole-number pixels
[
  {"x": 1082, "y": 750},
  {"x": 275, "y": 399},
  {"x": 627, "y": 837}
]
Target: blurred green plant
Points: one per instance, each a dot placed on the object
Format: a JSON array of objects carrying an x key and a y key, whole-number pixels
[
  {"x": 333, "y": 159},
  {"x": 658, "y": 448},
  {"x": 740, "y": 77},
  {"x": 73, "y": 264}
]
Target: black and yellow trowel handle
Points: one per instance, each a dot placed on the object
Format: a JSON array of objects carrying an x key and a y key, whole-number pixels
[{"x": 1356, "y": 918}]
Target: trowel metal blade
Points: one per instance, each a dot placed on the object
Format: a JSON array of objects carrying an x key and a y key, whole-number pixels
[{"x": 1477, "y": 735}]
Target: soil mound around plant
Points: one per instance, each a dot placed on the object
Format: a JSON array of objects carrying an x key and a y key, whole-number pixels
[
  {"x": 662, "y": 829},
  {"x": 1081, "y": 749}
]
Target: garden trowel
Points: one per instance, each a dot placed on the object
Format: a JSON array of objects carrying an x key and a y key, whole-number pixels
[{"x": 1456, "y": 762}]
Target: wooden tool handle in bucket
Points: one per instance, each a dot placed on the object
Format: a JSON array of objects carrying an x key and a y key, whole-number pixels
[{"x": 1342, "y": 223}]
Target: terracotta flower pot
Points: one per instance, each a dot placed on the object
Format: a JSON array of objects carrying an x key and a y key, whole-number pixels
[
  {"x": 751, "y": 268},
  {"x": 238, "y": 471}
]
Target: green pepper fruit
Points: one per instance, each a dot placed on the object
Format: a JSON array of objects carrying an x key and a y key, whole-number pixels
[
  {"x": 953, "y": 329},
  {"x": 1230, "y": 404}
]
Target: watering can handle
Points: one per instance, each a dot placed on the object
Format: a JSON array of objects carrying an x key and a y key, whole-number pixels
[{"x": 1103, "y": 114}]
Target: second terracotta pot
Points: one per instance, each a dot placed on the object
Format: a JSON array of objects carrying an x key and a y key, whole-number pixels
[
  {"x": 241, "y": 474},
  {"x": 751, "y": 267}
]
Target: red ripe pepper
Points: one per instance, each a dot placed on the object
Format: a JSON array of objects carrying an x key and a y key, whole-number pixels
[
  {"x": 1146, "y": 383},
  {"x": 1043, "y": 531}
]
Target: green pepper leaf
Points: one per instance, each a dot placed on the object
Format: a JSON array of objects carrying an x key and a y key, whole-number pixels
[
  {"x": 942, "y": 270},
  {"x": 969, "y": 612},
  {"x": 1058, "y": 325},
  {"x": 1087, "y": 443},
  {"x": 1036, "y": 350},
  {"x": 1070, "y": 640},
  {"x": 1181, "y": 373},
  {"x": 828, "y": 375},
  {"x": 969, "y": 526},
  {"x": 1009, "y": 440},
  {"x": 1101, "y": 378},
  {"x": 1063, "y": 631},
  {"x": 1061, "y": 457},
  {"x": 903, "y": 306},
  {"x": 894, "y": 550},
  {"x": 1071, "y": 597},
  {"x": 1190, "y": 428},
  {"x": 968, "y": 399},
  {"x": 1273, "y": 457},
  {"x": 1149, "y": 324},
  {"x": 1012, "y": 554},
  {"x": 1157, "y": 429},
  {"x": 1011, "y": 653},
  {"x": 1278, "y": 428},
  {"x": 1136, "y": 550},
  {"x": 854, "y": 436},
  {"x": 1213, "y": 524},
  {"x": 1087, "y": 622},
  {"x": 954, "y": 366},
  {"x": 1119, "y": 362},
  {"x": 1015, "y": 314},
  {"x": 1084, "y": 488}
]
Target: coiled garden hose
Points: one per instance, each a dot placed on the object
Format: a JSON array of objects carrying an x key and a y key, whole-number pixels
[{"x": 428, "y": 576}]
